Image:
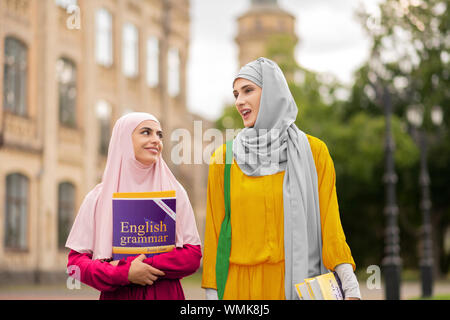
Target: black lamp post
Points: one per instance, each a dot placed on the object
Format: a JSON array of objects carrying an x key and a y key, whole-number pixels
[
  {"x": 415, "y": 115},
  {"x": 391, "y": 263}
]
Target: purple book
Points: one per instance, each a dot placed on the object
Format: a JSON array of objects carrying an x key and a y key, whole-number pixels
[{"x": 143, "y": 222}]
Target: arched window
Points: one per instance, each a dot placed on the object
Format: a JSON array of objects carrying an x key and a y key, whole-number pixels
[
  {"x": 104, "y": 110},
  {"x": 67, "y": 91},
  {"x": 16, "y": 211},
  {"x": 152, "y": 61},
  {"x": 173, "y": 72},
  {"x": 103, "y": 37},
  {"x": 66, "y": 3},
  {"x": 66, "y": 211},
  {"x": 15, "y": 76},
  {"x": 130, "y": 50}
]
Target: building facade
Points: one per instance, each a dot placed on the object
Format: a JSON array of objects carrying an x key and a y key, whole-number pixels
[
  {"x": 68, "y": 70},
  {"x": 263, "y": 20}
]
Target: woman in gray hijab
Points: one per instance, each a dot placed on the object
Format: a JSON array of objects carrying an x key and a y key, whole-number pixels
[{"x": 283, "y": 223}]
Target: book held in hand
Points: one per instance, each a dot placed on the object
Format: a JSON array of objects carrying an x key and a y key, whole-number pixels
[
  {"x": 143, "y": 222},
  {"x": 324, "y": 287}
]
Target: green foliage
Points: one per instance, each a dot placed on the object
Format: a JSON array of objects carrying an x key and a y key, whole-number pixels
[
  {"x": 411, "y": 56},
  {"x": 230, "y": 119}
]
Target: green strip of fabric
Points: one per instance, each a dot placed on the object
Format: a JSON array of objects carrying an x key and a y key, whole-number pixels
[{"x": 224, "y": 245}]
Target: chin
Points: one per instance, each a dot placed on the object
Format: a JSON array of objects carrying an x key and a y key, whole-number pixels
[
  {"x": 148, "y": 161},
  {"x": 153, "y": 160},
  {"x": 249, "y": 124}
]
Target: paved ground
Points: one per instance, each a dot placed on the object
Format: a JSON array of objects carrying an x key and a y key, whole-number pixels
[{"x": 191, "y": 287}]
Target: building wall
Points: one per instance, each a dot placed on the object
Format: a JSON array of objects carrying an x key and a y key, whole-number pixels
[{"x": 48, "y": 153}]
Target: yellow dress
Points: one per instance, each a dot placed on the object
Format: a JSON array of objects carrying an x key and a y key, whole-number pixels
[{"x": 256, "y": 268}]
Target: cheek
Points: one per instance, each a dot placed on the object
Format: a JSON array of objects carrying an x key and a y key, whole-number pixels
[
  {"x": 136, "y": 144},
  {"x": 255, "y": 108},
  {"x": 258, "y": 102}
]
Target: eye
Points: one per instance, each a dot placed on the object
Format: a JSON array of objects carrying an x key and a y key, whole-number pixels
[
  {"x": 248, "y": 90},
  {"x": 160, "y": 135},
  {"x": 146, "y": 132}
]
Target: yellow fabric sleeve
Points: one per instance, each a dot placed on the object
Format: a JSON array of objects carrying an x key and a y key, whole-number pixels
[
  {"x": 334, "y": 247},
  {"x": 215, "y": 212}
]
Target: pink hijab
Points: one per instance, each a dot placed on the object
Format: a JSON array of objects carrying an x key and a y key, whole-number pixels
[{"x": 92, "y": 229}]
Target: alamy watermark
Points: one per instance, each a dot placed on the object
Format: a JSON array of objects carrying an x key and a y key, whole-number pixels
[
  {"x": 73, "y": 21},
  {"x": 74, "y": 278},
  {"x": 258, "y": 146},
  {"x": 373, "y": 282}
]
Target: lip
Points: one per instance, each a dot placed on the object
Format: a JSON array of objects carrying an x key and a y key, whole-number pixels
[
  {"x": 247, "y": 115},
  {"x": 152, "y": 150}
]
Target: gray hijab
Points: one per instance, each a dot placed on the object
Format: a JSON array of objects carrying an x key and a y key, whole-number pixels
[{"x": 276, "y": 144}]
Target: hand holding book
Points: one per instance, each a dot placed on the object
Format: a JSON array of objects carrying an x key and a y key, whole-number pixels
[
  {"x": 323, "y": 287},
  {"x": 349, "y": 281},
  {"x": 142, "y": 273},
  {"x": 338, "y": 285}
]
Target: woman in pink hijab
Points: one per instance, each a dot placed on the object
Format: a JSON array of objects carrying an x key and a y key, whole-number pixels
[{"x": 134, "y": 164}]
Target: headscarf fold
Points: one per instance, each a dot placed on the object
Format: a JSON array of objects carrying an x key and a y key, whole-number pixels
[
  {"x": 92, "y": 229},
  {"x": 276, "y": 144}
]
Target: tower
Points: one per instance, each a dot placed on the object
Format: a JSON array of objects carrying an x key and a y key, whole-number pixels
[{"x": 256, "y": 27}]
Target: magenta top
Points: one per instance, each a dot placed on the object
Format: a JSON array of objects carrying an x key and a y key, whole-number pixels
[{"x": 113, "y": 282}]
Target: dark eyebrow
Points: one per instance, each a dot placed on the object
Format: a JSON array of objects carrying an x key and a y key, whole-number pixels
[
  {"x": 150, "y": 129},
  {"x": 243, "y": 87}
]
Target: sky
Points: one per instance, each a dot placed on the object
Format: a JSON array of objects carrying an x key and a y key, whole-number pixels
[{"x": 331, "y": 40}]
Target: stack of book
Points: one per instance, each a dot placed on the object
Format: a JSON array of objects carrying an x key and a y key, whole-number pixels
[{"x": 324, "y": 287}]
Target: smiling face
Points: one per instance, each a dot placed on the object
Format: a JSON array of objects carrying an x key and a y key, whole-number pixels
[
  {"x": 248, "y": 97},
  {"x": 147, "y": 142}
]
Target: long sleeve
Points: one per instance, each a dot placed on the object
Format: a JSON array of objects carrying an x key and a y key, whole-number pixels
[
  {"x": 335, "y": 248},
  {"x": 98, "y": 274},
  {"x": 178, "y": 263},
  {"x": 215, "y": 212},
  {"x": 349, "y": 281}
]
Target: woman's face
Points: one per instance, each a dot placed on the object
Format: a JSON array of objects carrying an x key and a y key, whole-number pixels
[
  {"x": 248, "y": 96},
  {"x": 147, "y": 142}
]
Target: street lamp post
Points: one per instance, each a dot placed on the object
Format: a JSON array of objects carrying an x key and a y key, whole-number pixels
[
  {"x": 415, "y": 115},
  {"x": 391, "y": 261}
]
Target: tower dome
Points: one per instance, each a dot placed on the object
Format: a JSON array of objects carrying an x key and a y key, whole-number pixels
[{"x": 263, "y": 20}]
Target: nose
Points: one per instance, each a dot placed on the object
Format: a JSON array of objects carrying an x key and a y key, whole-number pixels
[
  {"x": 154, "y": 138},
  {"x": 240, "y": 101}
]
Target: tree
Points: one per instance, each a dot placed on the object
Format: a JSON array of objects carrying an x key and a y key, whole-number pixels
[
  {"x": 411, "y": 39},
  {"x": 354, "y": 134}
]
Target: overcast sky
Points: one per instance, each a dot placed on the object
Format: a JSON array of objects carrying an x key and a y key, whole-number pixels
[{"x": 330, "y": 40}]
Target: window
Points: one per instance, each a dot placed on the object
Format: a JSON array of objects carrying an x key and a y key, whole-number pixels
[
  {"x": 66, "y": 3},
  {"x": 66, "y": 211},
  {"x": 173, "y": 72},
  {"x": 67, "y": 90},
  {"x": 103, "y": 110},
  {"x": 130, "y": 50},
  {"x": 103, "y": 38},
  {"x": 152, "y": 61},
  {"x": 16, "y": 209},
  {"x": 15, "y": 76}
]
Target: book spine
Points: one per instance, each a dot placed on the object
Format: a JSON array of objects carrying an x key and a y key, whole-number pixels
[{"x": 338, "y": 280}]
